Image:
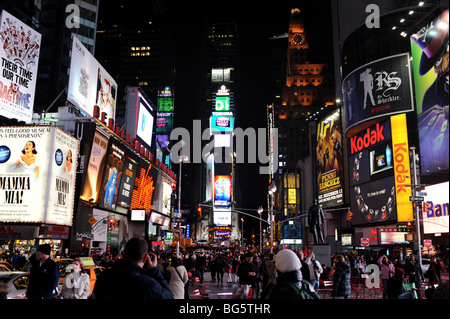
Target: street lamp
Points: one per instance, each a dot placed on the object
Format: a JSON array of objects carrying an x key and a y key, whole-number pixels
[
  {"x": 183, "y": 158},
  {"x": 260, "y": 210}
]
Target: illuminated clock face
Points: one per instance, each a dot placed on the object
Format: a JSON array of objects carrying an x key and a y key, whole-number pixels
[{"x": 298, "y": 38}]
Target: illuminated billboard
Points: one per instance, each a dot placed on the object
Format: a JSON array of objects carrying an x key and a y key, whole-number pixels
[
  {"x": 379, "y": 88},
  {"x": 222, "y": 216},
  {"x": 97, "y": 158},
  {"x": 140, "y": 117},
  {"x": 220, "y": 75},
  {"x": 37, "y": 175},
  {"x": 144, "y": 186},
  {"x": 329, "y": 161},
  {"x": 222, "y": 103},
  {"x": 19, "y": 53},
  {"x": 435, "y": 209},
  {"x": 112, "y": 175},
  {"x": 222, "y": 190},
  {"x": 429, "y": 48},
  {"x": 89, "y": 83},
  {"x": 222, "y": 122},
  {"x": 209, "y": 177}
]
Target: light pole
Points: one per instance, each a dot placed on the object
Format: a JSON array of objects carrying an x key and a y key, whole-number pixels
[
  {"x": 272, "y": 191},
  {"x": 242, "y": 232},
  {"x": 183, "y": 158},
  {"x": 414, "y": 193},
  {"x": 260, "y": 210}
]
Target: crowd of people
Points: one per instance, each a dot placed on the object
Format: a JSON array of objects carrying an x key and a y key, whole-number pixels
[{"x": 139, "y": 273}]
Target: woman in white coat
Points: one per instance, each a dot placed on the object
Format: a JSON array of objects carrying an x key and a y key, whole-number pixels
[
  {"x": 77, "y": 284},
  {"x": 178, "y": 278}
]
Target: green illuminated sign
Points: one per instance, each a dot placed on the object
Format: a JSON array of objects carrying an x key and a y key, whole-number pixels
[
  {"x": 165, "y": 104},
  {"x": 223, "y": 103}
]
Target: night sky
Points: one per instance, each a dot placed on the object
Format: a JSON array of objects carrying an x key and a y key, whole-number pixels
[{"x": 255, "y": 25}]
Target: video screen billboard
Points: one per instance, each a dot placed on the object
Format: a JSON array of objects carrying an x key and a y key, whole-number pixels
[
  {"x": 19, "y": 54},
  {"x": 222, "y": 190},
  {"x": 145, "y": 184},
  {"x": 380, "y": 88},
  {"x": 430, "y": 52},
  {"x": 222, "y": 216},
  {"x": 112, "y": 175},
  {"x": 89, "y": 83},
  {"x": 435, "y": 209},
  {"x": 127, "y": 182},
  {"x": 37, "y": 175}
]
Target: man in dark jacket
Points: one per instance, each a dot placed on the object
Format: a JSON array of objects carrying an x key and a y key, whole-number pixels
[
  {"x": 44, "y": 275},
  {"x": 248, "y": 274},
  {"x": 134, "y": 277},
  {"x": 413, "y": 271},
  {"x": 341, "y": 278}
]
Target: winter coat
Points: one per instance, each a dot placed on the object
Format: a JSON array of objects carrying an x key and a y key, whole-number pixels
[
  {"x": 272, "y": 271},
  {"x": 43, "y": 279},
  {"x": 127, "y": 280},
  {"x": 76, "y": 287},
  {"x": 290, "y": 285},
  {"x": 387, "y": 271},
  {"x": 176, "y": 283},
  {"x": 242, "y": 272},
  {"x": 315, "y": 269},
  {"x": 341, "y": 279}
]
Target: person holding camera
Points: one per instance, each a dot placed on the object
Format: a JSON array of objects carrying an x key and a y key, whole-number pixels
[{"x": 136, "y": 276}]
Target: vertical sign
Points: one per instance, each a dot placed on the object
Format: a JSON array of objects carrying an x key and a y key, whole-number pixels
[{"x": 402, "y": 170}]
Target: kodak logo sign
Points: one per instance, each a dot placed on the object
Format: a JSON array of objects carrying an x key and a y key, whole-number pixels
[
  {"x": 372, "y": 137},
  {"x": 401, "y": 167}
]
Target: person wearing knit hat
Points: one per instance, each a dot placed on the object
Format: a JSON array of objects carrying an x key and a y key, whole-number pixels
[
  {"x": 289, "y": 283},
  {"x": 44, "y": 275}
]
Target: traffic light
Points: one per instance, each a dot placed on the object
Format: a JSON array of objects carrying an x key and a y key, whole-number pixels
[
  {"x": 111, "y": 221},
  {"x": 199, "y": 209},
  {"x": 409, "y": 225}
]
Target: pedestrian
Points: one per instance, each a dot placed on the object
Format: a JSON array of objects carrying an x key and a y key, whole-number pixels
[
  {"x": 315, "y": 270},
  {"x": 248, "y": 275},
  {"x": 361, "y": 267},
  {"x": 178, "y": 279},
  {"x": 219, "y": 265},
  {"x": 234, "y": 267},
  {"x": 434, "y": 271},
  {"x": 341, "y": 278},
  {"x": 271, "y": 269},
  {"x": 44, "y": 275},
  {"x": 305, "y": 268},
  {"x": 77, "y": 283},
  {"x": 387, "y": 271},
  {"x": 413, "y": 271},
  {"x": 212, "y": 267},
  {"x": 135, "y": 276},
  {"x": 289, "y": 283},
  {"x": 200, "y": 265},
  {"x": 396, "y": 288}
]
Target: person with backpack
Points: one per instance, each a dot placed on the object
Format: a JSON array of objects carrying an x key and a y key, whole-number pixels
[{"x": 289, "y": 284}]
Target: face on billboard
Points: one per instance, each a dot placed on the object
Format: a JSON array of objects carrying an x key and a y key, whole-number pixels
[
  {"x": 89, "y": 83},
  {"x": 377, "y": 89},
  {"x": 430, "y": 52},
  {"x": 37, "y": 182},
  {"x": 19, "y": 53}
]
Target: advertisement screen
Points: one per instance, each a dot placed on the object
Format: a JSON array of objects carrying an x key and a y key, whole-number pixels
[
  {"x": 19, "y": 53},
  {"x": 127, "y": 182},
  {"x": 97, "y": 158},
  {"x": 329, "y": 159},
  {"x": 429, "y": 48},
  {"x": 374, "y": 202},
  {"x": 209, "y": 177},
  {"x": 222, "y": 216},
  {"x": 159, "y": 219},
  {"x": 90, "y": 84},
  {"x": 435, "y": 209},
  {"x": 112, "y": 175},
  {"x": 164, "y": 122},
  {"x": 138, "y": 215},
  {"x": 165, "y": 104},
  {"x": 222, "y": 103},
  {"x": 37, "y": 175},
  {"x": 144, "y": 130},
  {"x": 222, "y": 190},
  {"x": 377, "y": 89},
  {"x": 390, "y": 236},
  {"x": 222, "y": 123}
]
